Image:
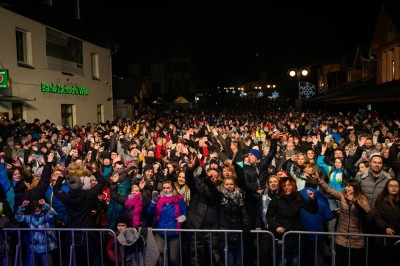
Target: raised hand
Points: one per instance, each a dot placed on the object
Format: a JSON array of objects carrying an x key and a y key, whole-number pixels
[{"x": 310, "y": 194}]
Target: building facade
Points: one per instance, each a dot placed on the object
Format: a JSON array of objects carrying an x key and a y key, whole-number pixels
[{"x": 46, "y": 73}]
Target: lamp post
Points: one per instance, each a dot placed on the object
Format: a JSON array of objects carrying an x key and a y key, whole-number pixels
[
  {"x": 270, "y": 86},
  {"x": 303, "y": 72}
]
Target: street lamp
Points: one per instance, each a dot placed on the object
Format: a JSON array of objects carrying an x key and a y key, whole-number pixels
[
  {"x": 303, "y": 72},
  {"x": 270, "y": 86}
]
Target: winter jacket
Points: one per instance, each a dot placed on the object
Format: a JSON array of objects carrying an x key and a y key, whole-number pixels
[
  {"x": 351, "y": 217},
  {"x": 116, "y": 209},
  {"x": 371, "y": 187},
  {"x": 166, "y": 211},
  {"x": 79, "y": 202},
  {"x": 256, "y": 175},
  {"x": 58, "y": 206},
  {"x": 233, "y": 215},
  {"x": 336, "y": 176},
  {"x": 42, "y": 240},
  {"x": 284, "y": 211},
  {"x": 315, "y": 222},
  {"x": 387, "y": 215},
  {"x": 203, "y": 208}
]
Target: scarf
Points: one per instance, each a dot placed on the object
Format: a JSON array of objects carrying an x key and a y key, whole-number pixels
[
  {"x": 137, "y": 204},
  {"x": 167, "y": 200},
  {"x": 184, "y": 191},
  {"x": 265, "y": 200},
  {"x": 231, "y": 196}
]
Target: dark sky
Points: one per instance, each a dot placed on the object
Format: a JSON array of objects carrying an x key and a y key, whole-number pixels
[{"x": 231, "y": 40}]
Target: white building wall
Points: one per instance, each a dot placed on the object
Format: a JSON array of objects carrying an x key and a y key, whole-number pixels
[{"x": 26, "y": 82}]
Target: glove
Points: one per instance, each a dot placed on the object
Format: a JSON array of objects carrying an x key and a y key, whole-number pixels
[
  {"x": 181, "y": 219},
  {"x": 155, "y": 196}
]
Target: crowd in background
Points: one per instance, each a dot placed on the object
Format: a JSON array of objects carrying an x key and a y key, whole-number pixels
[{"x": 257, "y": 167}]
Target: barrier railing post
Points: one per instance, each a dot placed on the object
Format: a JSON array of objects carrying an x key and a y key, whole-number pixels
[
  {"x": 241, "y": 247},
  {"x": 165, "y": 249},
  {"x": 226, "y": 248}
]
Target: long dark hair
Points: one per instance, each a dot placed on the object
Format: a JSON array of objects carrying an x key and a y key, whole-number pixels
[
  {"x": 357, "y": 188},
  {"x": 385, "y": 196}
]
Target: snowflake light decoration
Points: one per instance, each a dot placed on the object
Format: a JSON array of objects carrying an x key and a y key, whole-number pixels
[
  {"x": 275, "y": 95},
  {"x": 260, "y": 94},
  {"x": 307, "y": 90}
]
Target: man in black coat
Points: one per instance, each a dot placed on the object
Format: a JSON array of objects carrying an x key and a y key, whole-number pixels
[{"x": 78, "y": 203}]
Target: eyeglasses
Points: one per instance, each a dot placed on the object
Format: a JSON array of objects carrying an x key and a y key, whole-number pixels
[{"x": 393, "y": 186}]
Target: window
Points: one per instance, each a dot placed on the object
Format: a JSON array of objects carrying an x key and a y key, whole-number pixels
[
  {"x": 100, "y": 113},
  {"x": 95, "y": 66},
  {"x": 24, "y": 47},
  {"x": 67, "y": 113}
]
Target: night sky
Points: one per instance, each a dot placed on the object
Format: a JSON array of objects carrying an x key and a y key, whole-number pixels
[{"x": 233, "y": 40}]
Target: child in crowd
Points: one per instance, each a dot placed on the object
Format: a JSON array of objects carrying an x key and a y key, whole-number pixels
[
  {"x": 42, "y": 242},
  {"x": 122, "y": 223}
]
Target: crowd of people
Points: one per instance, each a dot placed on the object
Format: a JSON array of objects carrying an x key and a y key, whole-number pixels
[{"x": 253, "y": 168}]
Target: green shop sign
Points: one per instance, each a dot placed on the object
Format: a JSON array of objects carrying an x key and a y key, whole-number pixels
[
  {"x": 4, "y": 79},
  {"x": 59, "y": 89}
]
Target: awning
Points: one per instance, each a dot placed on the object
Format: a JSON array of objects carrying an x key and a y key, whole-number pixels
[
  {"x": 16, "y": 99},
  {"x": 363, "y": 92}
]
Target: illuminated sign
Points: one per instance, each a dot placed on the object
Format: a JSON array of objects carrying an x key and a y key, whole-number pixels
[
  {"x": 59, "y": 89},
  {"x": 3, "y": 79}
]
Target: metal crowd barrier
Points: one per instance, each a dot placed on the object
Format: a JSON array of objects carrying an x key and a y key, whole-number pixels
[
  {"x": 74, "y": 246},
  {"x": 87, "y": 246}
]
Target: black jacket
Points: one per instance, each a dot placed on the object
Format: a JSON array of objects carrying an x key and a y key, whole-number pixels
[{"x": 79, "y": 202}]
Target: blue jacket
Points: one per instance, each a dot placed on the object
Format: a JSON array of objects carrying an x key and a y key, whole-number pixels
[
  {"x": 315, "y": 222},
  {"x": 42, "y": 240},
  {"x": 57, "y": 205},
  {"x": 167, "y": 217},
  {"x": 336, "y": 176},
  {"x": 7, "y": 185}
]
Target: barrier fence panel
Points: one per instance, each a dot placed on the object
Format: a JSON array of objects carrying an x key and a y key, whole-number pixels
[
  {"x": 65, "y": 246},
  {"x": 197, "y": 247},
  {"x": 300, "y": 247}
]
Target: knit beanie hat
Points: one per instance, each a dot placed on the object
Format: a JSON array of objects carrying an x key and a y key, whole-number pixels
[
  {"x": 148, "y": 167},
  {"x": 74, "y": 183},
  {"x": 123, "y": 219},
  {"x": 256, "y": 153}
]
